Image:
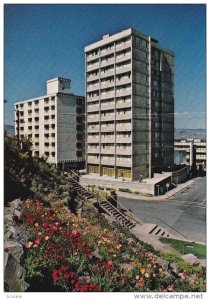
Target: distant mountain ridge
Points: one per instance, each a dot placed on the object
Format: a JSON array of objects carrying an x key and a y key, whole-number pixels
[{"x": 190, "y": 134}]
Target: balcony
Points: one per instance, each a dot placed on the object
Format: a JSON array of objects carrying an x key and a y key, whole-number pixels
[
  {"x": 107, "y": 62},
  {"x": 93, "y": 118},
  {"x": 123, "y": 69},
  {"x": 122, "y": 93},
  {"x": 124, "y": 151},
  {"x": 92, "y": 57},
  {"x": 93, "y": 129},
  {"x": 93, "y": 150},
  {"x": 124, "y": 163},
  {"x": 123, "y": 139},
  {"x": 108, "y": 139},
  {"x": 107, "y": 117},
  {"x": 108, "y": 162},
  {"x": 107, "y": 128},
  {"x": 124, "y": 127},
  {"x": 108, "y": 95},
  {"x": 107, "y": 84},
  {"x": 108, "y": 73},
  {"x": 94, "y": 87},
  {"x": 92, "y": 78},
  {"x": 107, "y": 150},
  {"x": 105, "y": 52},
  {"x": 126, "y": 116},
  {"x": 123, "y": 104},
  {"x": 123, "y": 81},
  {"x": 93, "y": 67},
  {"x": 92, "y": 160},
  {"x": 124, "y": 57},
  {"x": 123, "y": 46},
  {"x": 107, "y": 105},
  {"x": 91, "y": 139},
  {"x": 93, "y": 108},
  {"x": 93, "y": 98}
]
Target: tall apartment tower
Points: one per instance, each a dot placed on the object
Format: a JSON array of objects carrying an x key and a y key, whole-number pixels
[
  {"x": 129, "y": 106},
  {"x": 54, "y": 122}
]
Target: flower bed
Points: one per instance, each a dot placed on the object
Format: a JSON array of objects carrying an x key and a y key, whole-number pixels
[{"x": 72, "y": 254}]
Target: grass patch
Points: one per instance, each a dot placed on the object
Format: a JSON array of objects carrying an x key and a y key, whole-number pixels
[{"x": 186, "y": 248}]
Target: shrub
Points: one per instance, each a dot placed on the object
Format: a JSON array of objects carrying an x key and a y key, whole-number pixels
[{"x": 125, "y": 190}]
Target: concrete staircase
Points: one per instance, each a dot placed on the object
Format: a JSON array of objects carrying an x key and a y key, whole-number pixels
[
  {"x": 117, "y": 212},
  {"x": 118, "y": 215},
  {"x": 87, "y": 195},
  {"x": 153, "y": 230},
  {"x": 159, "y": 231}
]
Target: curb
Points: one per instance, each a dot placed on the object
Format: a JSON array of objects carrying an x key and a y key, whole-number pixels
[{"x": 163, "y": 197}]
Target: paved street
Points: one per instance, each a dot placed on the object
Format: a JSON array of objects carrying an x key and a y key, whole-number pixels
[{"x": 185, "y": 211}]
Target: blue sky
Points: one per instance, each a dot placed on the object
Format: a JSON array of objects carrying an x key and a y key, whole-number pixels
[{"x": 45, "y": 41}]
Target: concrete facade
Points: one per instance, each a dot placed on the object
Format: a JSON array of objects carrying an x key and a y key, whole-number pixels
[
  {"x": 54, "y": 122},
  {"x": 129, "y": 106},
  {"x": 192, "y": 150}
]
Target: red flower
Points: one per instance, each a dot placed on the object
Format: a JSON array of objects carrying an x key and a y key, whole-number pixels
[
  {"x": 141, "y": 282},
  {"x": 55, "y": 275},
  {"x": 109, "y": 263},
  {"x": 37, "y": 242},
  {"x": 66, "y": 276},
  {"x": 64, "y": 268}
]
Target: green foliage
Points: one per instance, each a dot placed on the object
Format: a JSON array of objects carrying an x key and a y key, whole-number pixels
[{"x": 27, "y": 176}]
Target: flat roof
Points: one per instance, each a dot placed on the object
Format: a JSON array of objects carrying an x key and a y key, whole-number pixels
[
  {"x": 58, "y": 78},
  {"x": 107, "y": 39}
]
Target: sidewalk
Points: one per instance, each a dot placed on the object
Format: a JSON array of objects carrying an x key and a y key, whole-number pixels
[{"x": 167, "y": 195}]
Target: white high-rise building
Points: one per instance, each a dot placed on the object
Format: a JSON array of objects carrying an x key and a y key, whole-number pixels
[
  {"x": 129, "y": 106},
  {"x": 54, "y": 122}
]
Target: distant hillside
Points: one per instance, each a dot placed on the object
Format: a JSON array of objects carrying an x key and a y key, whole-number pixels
[
  {"x": 10, "y": 130},
  {"x": 190, "y": 133}
]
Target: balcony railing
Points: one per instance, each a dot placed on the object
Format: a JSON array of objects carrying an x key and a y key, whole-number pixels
[
  {"x": 124, "y": 127},
  {"x": 107, "y": 117},
  {"x": 108, "y": 139},
  {"x": 123, "y": 163},
  {"x": 107, "y": 73}
]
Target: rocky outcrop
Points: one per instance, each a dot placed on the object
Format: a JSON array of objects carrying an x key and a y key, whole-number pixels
[
  {"x": 14, "y": 273},
  {"x": 14, "y": 238}
]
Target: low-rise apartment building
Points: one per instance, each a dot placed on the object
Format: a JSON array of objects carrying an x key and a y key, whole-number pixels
[
  {"x": 54, "y": 122},
  {"x": 129, "y": 105},
  {"x": 190, "y": 152}
]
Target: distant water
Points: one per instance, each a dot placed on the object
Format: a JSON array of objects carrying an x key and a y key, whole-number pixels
[{"x": 190, "y": 134}]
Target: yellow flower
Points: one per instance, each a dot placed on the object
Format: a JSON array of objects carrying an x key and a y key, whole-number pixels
[
  {"x": 118, "y": 246},
  {"x": 29, "y": 244},
  {"x": 142, "y": 271},
  {"x": 46, "y": 238},
  {"x": 36, "y": 224}
]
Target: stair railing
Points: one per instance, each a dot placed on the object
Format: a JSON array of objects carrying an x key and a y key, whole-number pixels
[
  {"x": 129, "y": 216},
  {"x": 165, "y": 223},
  {"x": 172, "y": 228}
]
